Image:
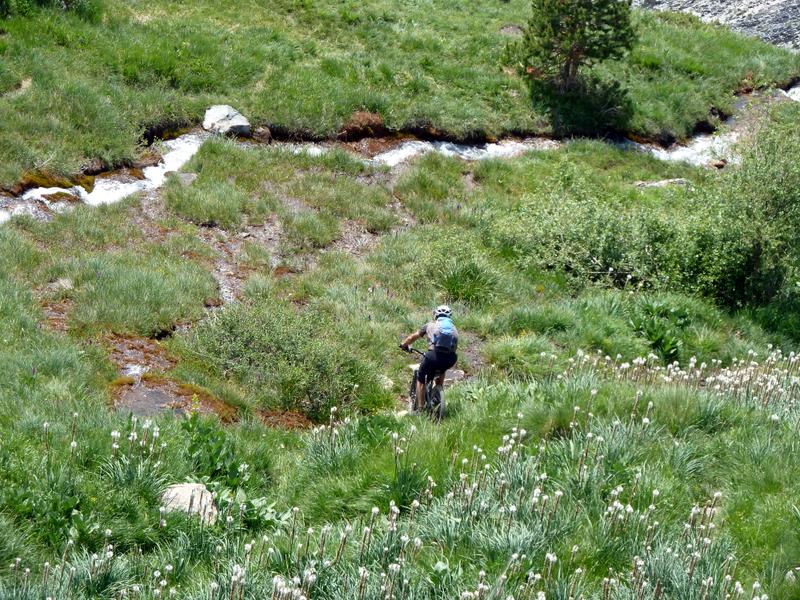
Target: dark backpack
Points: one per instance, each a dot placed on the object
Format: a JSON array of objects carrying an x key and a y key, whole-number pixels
[{"x": 445, "y": 335}]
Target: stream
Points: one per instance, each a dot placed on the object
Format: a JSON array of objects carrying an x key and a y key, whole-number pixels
[{"x": 701, "y": 150}]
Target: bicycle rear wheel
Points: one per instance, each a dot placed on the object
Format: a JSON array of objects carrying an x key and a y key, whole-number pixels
[
  {"x": 436, "y": 411},
  {"x": 412, "y": 392}
]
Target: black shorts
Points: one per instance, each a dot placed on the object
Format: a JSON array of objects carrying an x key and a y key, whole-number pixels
[{"x": 435, "y": 362}]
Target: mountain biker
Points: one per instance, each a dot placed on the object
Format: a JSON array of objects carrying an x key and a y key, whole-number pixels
[{"x": 442, "y": 345}]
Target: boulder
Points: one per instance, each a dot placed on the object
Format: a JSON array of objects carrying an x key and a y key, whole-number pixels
[
  {"x": 191, "y": 498},
  {"x": 187, "y": 178},
  {"x": 226, "y": 120}
]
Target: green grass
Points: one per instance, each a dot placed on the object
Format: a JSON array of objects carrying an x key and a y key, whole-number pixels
[
  {"x": 98, "y": 84},
  {"x": 327, "y": 336}
]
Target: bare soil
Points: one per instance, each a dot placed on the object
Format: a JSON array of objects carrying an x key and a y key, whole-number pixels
[
  {"x": 153, "y": 395},
  {"x": 285, "y": 419}
]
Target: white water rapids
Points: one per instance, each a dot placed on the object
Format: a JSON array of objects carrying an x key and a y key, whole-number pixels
[{"x": 700, "y": 151}]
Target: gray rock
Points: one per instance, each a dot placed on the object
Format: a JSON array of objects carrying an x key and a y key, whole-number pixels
[
  {"x": 187, "y": 178},
  {"x": 454, "y": 376},
  {"x": 512, "y": 30},
  {"x": 191, "y": 498},
  {"x": 226, "y": 120},
  {"x": 60, "y": 284},
  {"x": 663, "y": 183}
]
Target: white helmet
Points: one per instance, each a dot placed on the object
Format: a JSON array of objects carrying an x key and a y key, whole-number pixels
[{"x": 442, "y": 311}]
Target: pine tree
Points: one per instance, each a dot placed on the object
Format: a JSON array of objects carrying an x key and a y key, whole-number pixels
[{"x": 564, "y": 35}]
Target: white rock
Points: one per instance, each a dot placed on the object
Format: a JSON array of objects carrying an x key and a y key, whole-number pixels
[
  {"x": 191, "y": 498},
  {"x": 60, "y": 284},
  {"x": 386, "y": 383},
  {"x": 454, "y": 375},
  {"x": 662, "y": 183},
  {"x": 226, "y": 120}
]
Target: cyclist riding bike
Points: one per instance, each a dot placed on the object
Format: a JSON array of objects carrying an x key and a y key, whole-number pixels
[{"x": 442, "y": 338}]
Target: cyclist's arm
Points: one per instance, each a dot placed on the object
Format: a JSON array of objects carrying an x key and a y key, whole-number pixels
[{"x": 412, "y": 338}]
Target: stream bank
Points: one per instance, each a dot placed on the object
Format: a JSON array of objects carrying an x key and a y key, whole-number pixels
[{"x": 704, "y": 149}]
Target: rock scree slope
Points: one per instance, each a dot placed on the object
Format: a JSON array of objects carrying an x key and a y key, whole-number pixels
[{"x": 775, "y": 21}]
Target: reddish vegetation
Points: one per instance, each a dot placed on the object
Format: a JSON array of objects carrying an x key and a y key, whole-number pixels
[
  {"x": 124, "y": 351},
  {"x": 363, "y": 124},
  {"x": 149, "y": 158},
  {"x": 56, "y": 312},
  {"x": 60, "y": 197},
  {"x": 285, "y": 419},
  {"x": 370, "y": 147},
  {"x": 124, "y": 174},
  {"x": 282, "y": 271}
]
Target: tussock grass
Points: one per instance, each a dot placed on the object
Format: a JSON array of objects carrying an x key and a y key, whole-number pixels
[{"x": 125, "y": 293}]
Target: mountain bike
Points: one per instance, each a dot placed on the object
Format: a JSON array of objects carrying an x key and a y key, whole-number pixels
[{"x": 434, "y": 393}]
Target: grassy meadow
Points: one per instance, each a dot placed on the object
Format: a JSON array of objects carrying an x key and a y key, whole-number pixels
[
  {"x": 627, "y": 423},
  {"x": 627, "y": 428},
  {"x": 89, "y": 83}
]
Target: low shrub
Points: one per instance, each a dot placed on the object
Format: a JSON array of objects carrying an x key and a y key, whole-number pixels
[{"x": 284, "y": 357}]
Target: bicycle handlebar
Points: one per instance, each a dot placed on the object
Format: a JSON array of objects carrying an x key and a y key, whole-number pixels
[{"x": 411, "y": 350}]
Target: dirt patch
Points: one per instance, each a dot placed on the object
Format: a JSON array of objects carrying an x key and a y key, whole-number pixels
[
  {"x": 151, "y": 396},
  {"x": 229, "y": 271},
  {"x": 371, "y": 147},
  {"x": 512, "y": 30},
  {"x": 469, "y": 182},
  {"x": 470, "y": 352},
  {"x": 149, "y": 158},
  {"x": 136, "y": 356},
  {"x": 362, "y": 124},
  {"x": 285, "y": 419},
  {"x": 61, "y": 197},
  {"x": 56, "y": 313},
  {"x": 355, "y": 239},
  {"x": 22, "y": 87},
  {"x": 124, "y": 175}
]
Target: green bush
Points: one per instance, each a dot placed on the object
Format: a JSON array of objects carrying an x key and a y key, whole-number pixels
[
  {"x": 285, "y": 358},
  {"x": 90, "y": 10},
  {"x": 734, "y": 241}
]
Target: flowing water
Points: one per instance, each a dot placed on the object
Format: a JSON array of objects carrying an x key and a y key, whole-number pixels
[
  {"x": 37, "y": 202},
  {"x": 108, "y": 190}
]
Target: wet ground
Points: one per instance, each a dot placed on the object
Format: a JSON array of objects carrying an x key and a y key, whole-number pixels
[{"x": 150, "y": 396}]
